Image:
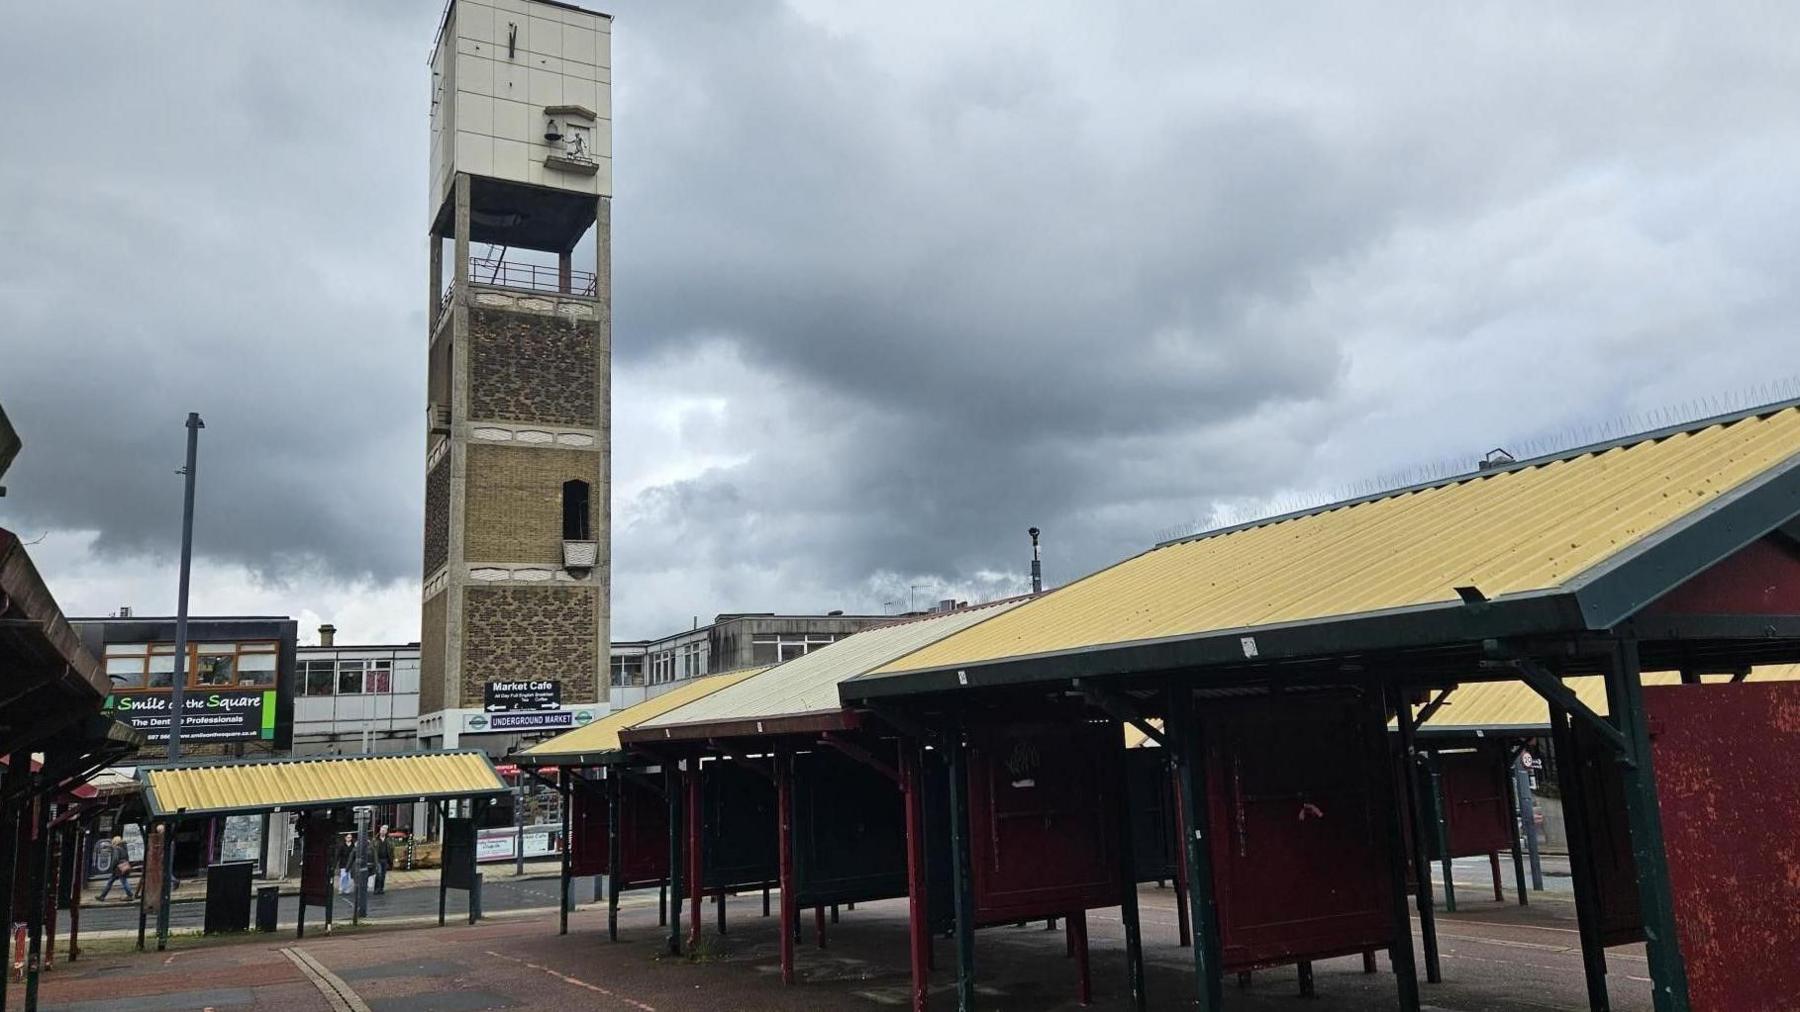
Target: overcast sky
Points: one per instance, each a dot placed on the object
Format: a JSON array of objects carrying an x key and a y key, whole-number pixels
[{"x": 892, "y": 283}]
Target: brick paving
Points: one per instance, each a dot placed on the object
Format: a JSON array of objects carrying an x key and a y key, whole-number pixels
[{"x": 1497, "y": 956}]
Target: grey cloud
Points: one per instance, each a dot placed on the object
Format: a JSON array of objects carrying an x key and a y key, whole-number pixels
[{"x": 1101, "y": 270}]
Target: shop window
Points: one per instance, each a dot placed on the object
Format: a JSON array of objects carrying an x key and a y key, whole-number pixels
[
  {"x": 350, "y": 678},
  {"x": 316, "y": 677},
  {"x": 257, "y": 668}
]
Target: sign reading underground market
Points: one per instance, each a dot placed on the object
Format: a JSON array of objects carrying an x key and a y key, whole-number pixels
[{"x": 522, "y": 694}]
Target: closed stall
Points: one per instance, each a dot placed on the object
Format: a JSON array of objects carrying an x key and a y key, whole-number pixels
[
  {"x": 643, "y": 830},
  {"x": 1150, "y": 794},
  {"x": 1477, "y": 813},
  {"x": 850, "y": 831},
  {"x": 1043, "y": 811},
  {"x": 739, "y": 843},
  {"x": 1298, "y": 845}
]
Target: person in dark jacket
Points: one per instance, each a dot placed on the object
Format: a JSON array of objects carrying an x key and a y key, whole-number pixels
[{"x": 384, "y": 858}]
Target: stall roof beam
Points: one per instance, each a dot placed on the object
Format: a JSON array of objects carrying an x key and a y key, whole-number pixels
[
  {"x": 1559, "y": 695},
  {"x": 242, "y": 786},
  {"x": 1121, "y": 708}
]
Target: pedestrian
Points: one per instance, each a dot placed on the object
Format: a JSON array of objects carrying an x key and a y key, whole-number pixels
[
  {"x": 121, "y": 869},
  {"x": 346, "y": 850},
  {"x": 384, "y": 856}
]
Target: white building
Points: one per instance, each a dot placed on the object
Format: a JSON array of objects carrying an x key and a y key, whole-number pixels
[{"x": 354, "y": 700}]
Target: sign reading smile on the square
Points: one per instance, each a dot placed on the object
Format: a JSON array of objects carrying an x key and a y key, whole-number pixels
[
  {"x": 221, "y": 715},
  {"x": 522, "y": 694}
]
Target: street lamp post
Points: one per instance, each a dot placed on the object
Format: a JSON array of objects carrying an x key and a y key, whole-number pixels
[{"x": 179, "y": 680}]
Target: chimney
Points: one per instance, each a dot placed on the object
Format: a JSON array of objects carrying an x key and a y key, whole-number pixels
[
  {"x": 124, "y": 611},
  {"x": 327, "y": 635},
  {"x": 1037, "y": 563}
]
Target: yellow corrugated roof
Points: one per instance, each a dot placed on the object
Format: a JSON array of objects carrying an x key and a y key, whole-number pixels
[
  {"x": 1135, "y": 738},
  {"x": 808, "y": 683},
  {"x": 1505, "y": 532},
  {"x": 602, "y": 735},
  {"x": 1515, "y": 704},
  {"x": 317, "y": 782}
]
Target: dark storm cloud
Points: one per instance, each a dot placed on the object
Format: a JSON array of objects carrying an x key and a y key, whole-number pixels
[
  {"x": 217, "y": 208},
  {"x": 891, "y": 285}
]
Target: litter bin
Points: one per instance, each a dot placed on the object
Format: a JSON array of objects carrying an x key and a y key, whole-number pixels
[
  {"x": 228, "y": 896},
  {"x": 268, "y": 904}
]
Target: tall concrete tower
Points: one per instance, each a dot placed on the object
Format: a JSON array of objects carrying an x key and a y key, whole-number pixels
[{"x": 514, "y": 617}]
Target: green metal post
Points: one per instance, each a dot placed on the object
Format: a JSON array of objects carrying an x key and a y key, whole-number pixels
[
  {"x": 565, "y": 793},
  {"x": 615, "y": 797},
  {"x": 1128, "y": 895},
  {"x": 1516, "y": 810},
  {"x": 1581, "y": 854},
  {"x": 1196, "y": 813},
  {"x": 1415, "y": 805},
  {"x": 1434, "y": 774},
  {"x": 1656, "y": 899},
  {"x": 961, "y": 874}
]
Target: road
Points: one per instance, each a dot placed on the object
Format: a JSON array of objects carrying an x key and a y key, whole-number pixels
[{"x": 500, "y": 892}]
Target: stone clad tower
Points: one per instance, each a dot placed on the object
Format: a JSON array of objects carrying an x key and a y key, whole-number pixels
[{"x": 517, "y": 562}]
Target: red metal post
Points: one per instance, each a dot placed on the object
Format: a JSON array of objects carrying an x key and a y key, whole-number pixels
[
  {"x": 696, "y": 888},
  {"x": 1494, "y": 863},
  {"x": 784, "y": 803},
  {"x": 918, "y": 916},
  {"x": 1084, "y": 983}
]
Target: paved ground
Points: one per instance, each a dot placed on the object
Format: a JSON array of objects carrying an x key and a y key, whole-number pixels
[{"x": 1497, "y": 956}]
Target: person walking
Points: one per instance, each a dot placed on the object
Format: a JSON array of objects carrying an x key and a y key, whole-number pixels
[
  {"x": 121, "y": 870},
  {"x": 346, "y": 852},
  {"x": 384, "y": 857}
]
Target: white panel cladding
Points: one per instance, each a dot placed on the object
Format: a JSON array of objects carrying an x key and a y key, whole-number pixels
[
  {"x": 500, "y": 65},
  {"x": 338, "y": 721}
]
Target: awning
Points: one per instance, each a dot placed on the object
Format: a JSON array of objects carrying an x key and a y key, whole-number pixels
[
  {"x": 1563, "y": 543},
  {"x": 48, "y": 680},
  {"x": 598, "y": 742},
  {"x": 261, "y": 785}
]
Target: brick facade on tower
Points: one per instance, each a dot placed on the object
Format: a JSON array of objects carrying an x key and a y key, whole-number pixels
[
  {"x": 529, "y": 632},
  {"x": 531, "y": 367},
  {"x": 431, "y": 652},
  {"x": 437, "y": 516},
  {"x": 514, "y": 511}
]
